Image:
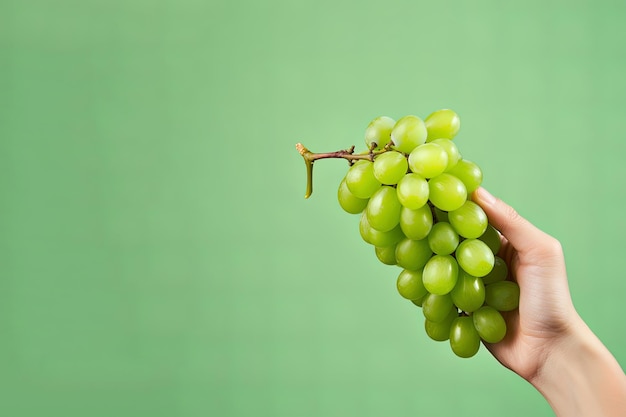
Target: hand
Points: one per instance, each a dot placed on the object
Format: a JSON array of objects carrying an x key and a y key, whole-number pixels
[{"x": 547, "y": 342}]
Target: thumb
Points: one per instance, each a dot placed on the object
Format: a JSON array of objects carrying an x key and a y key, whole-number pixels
[{"x": 520, "y": 233}]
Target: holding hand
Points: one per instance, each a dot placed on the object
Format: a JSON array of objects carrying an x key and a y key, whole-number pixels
[{"x": 547, "y": 342}]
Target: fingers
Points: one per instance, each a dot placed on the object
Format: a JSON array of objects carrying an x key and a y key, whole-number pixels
[{"x": 520, "y": 233}]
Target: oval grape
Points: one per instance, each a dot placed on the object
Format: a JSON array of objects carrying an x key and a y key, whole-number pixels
[
  {"x": 410, "y": 285},
  {"x": 383, "y": 209},
  {"x": 489, "y": 324},
  {"x": 444, "y": 123},
  {"x": 412, "y": 191},
  {"x": 440, "y": 274},
  {"x": 447, "y": 192},
  {"x": 464, "y": 339},
  {"x": 436, "y": 307},
  {"x": 408, "y": 133},
  {"x": 390, "y": 167},
  {"x": 413, "y": 254},
  {"x": 502, "y": 295},
  {"x": 378, "y": 132},
  {"x": 475, "y": 257}
]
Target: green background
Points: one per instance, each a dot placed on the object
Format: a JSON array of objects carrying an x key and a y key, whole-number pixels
[{"x": 157, "y": 257}]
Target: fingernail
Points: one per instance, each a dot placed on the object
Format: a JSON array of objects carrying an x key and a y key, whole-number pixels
[{"x": 485, "y": 196}]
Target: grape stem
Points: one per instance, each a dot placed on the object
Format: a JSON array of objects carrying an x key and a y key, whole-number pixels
[{"x": 347, "y": 154}]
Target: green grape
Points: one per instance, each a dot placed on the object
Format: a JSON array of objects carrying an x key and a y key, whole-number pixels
[
  {"x": 378, "y": 238},
  {"x": 502, "y": 295},
  {"x": 364, "y": 228},
  {"x": 489, "y": 324},
  {"x": 410, "y": 285},
  {"x": 443, "y": 239},
  {"x": 440, "y": 331},
  {"x": 385, "y": 239},
  {"x": 469, "y": 173},
  {"x": 416, "y": 224},
  {"x": 492, "y": 238},
  {"x": 383, "y": 209},
  {"x": 498, "y": 273},
  {"x": 413, "y": 254},
  {"x": 447, "y": 192},
  {"x": 475, "y": 257},
  {"x": 412, "y": 191},
  {"x": 428, "y": 160},
  {"x": 469, "y": 220},
  {"x": 378, "y": 132},
  {"x": 390, "y": 167},
  {"x": 443, "y": 123},
  {"x": 408, "y": 132},
  {"x": 348, "y": 201},
  {"x": 361, "y": 181},
  {"x": 469, "y": 292},
  {"x": 440, "y": 274},
  {"x": 419, "y": 301},
  {"x": 441, "y": 216},
  {"x": 464, "y": 339},
  {"x": 436, "y": 307},
  {"x": 451, "y": 149},
  {"x": 386, "y": 255}
]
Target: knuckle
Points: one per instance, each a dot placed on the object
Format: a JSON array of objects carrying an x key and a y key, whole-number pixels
[{"x": 553, "y": 245}]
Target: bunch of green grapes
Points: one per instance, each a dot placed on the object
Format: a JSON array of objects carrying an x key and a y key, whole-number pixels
[{"x": 413, "y": 194}]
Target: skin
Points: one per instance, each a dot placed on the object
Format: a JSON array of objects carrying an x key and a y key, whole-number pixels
[{"x": 547, "y": 343}]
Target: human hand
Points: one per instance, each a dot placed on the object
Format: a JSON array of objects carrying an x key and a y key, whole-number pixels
[{"x": 547, "y": 342}]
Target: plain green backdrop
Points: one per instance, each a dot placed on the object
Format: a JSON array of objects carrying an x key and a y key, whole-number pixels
[{"x": 157, "y": 257}]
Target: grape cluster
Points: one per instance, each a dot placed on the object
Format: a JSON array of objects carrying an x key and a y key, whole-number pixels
[{"x": 413, "y": 193}]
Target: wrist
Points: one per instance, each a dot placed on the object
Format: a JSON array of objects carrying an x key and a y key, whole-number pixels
[{"x": 580, "y": 377}]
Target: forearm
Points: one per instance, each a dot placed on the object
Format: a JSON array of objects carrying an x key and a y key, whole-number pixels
[{"x": 581, "y": 378}]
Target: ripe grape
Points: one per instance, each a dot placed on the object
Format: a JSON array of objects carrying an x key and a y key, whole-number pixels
[
  {"x": 475, "y": 257},
  {"x": 498, "y": 273},
  {"x": 469, "y": 220},
  {"x": 502, "y": 295},
  {"x": 469, "y": 292},
  {"x": 489, "y": 324},
  {"x": 412, "y": 191},
  {"x": 419, "y": 301},
  {"x": 443, "y": 123},
  {"x": 376, "y": 237},
  {"x": 492, "y": 238},
  {"x": 447, "y": 192},
  {"x": 348, "y": 201},
  {"x": 436, "y": 307},
  {"x": 451, "y": 149},
  {"x": 469, "y": 173},
  {"x": 378, "y": 132},
  {"x": 383, "y": 209},
  {"x": 410, "y": 285},
  {"x": 416, "y": 224},
  {"x": 464, "y": 339},
  {"x": 386, "y": 255},
  {"x": 413, "y": 254},
  {"x": 408, "y": 132},
  {"x": 361, "y": 181},
  {"x": 440, "y": 274},
  {"x": 390, "y": 167},
  {"x": 385, "y": 239},
  {"x": 428, "y": 160},
  {"x": 443, "y": 239},
  {"x": 440, "y": 331},
  {"x": 440, "y": 215}
]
